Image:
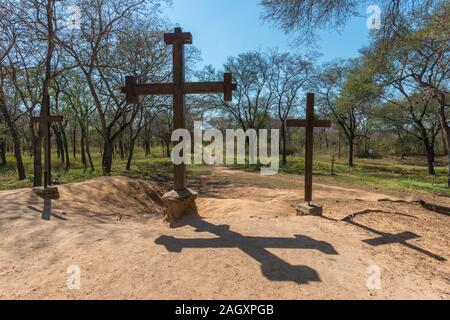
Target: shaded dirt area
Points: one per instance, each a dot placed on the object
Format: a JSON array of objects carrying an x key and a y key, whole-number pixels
[{"x": 246, "y": 242}]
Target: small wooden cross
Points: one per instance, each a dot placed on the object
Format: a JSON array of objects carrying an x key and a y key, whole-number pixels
[
  {"x": 179, "y": 88},
  {"x": 44, "y": 121},
  {"x": 309, "y": 123}
]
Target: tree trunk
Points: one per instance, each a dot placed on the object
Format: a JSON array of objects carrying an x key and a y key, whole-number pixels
[
  {"x": 82, "y": 149},
  {"x": 430, "y": 159},
  {"x": 167, "y": 143},
  {"x": 447, "y": 134},
  {"x": 74, "y": 141},
  {"x": 447, "y": 138},
  {"x": 444, "y": 142},
  {"x": 327, "y": 141},
  {"x": 429, "y": 149},
  {"x": 283, "y": 141},
  {"x": 15, "y": 138},
  {"x": 130, "y": 148},
  {"x": 366, "y": 146},
  {"x": 2, "y": 152},
  {"x": 130, "y": 155},
  {"x": 62, "y": 155},
  {"x": 59, "y": 149},
  {"x": 30, "y": 147},
  {"x": 443, "y": 118},
  {"x": 100, "y": 149},
  {"x": 148, "y": 149},
  {"x": 350, "y": 150},
  {"x": 147, "y": 142},
  {"x": 339, "y": 146},
  {"x": 107, "y": 155},
  {"x": 65, "y": 145},
  {"x": 88, "y": 152},
  {"x": 402, "y": 144},
  {"x": 121, "y": 148},
  {"x": 37, "y": 142},
  {"x": 34, "y": 144}
]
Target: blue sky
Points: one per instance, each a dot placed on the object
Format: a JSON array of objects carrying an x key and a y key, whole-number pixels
[{"x": 223, "y": 28}]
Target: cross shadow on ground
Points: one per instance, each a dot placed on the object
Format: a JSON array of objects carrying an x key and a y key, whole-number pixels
[
  {"x": 272, "y": 267},
  {"x": 389, "y": 238},
  {"x": 46, "y": 212}
]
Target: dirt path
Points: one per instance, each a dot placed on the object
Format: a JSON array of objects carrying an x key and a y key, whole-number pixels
[{"x": 247, "y": 243}]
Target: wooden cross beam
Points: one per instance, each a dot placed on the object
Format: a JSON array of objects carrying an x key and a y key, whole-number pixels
[
  {"x": 178, "y": 89},
  {"x": 133, "y": 90},
  {"x": 309, "y": 123},
  {"x": 45, "y": 120}
]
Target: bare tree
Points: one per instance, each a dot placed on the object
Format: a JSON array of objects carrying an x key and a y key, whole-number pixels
[
  {"x": 304, "y": 17},
  {"x": 77, "y": 98},
  {"x": 427, "y": 61},
  {"x": 290, "y": 75},
  {"x": 347, "y": 91},
  {"x": 8, "y": 39},
  {"x": 34, "y": 61},
  {"x": 418, "y": 63},
  {"x": 253, "y": 97},
  {"x": 93, "y": 49}
]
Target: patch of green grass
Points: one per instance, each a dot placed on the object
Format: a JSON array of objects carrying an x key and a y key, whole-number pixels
[
  {"x": 157, "y": 165},
  {"x": 401, "y": 176},
  {"x": 390, "y": 175},
  {"x": 76, "y": 173}
]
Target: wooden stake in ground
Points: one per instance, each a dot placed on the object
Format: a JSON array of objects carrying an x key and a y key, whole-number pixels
[
  {"x": 178, "y": 89},
  {"x": 45, "y": 121},
  {"x": 309, "y": 124}
]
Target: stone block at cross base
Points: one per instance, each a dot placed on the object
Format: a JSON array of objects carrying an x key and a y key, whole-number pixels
[
  {"x": 309, "y": 209},
  {"x": 178, "y": 203},
  {"x": 51, "y": 192}
]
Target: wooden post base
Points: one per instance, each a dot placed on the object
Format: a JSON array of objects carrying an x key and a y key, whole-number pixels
[
  {"x": 311, "y": 209},
  {"x": 178, "y": 203},
  {"x": 50, "y": 192}
]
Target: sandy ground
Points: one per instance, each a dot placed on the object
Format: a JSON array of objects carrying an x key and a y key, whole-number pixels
[{"x": 246, "y": 243}]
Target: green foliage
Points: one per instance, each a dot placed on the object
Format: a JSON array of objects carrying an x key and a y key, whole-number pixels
[
  {"x": 152, "y": 167},
  {"x": 409, "y": 175},
  {"x": 359, "y": 88},
  {"x": 382, "y": 175}
]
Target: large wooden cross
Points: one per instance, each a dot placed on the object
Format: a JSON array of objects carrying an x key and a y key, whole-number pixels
[
  {"x": 309, "y": 123},
  {"x": 45, "y": 120},
  {"x": 178, "y": 89}
]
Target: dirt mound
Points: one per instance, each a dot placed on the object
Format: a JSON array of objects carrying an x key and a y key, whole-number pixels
[
  {"x": 102, "y": 199},
  {"x": 113, "y": 196}
]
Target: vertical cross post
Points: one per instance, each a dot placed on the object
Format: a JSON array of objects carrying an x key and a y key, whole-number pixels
[
  {"x": 45, "y": 121},
  {"x": 309, "y": 123},
  {"x": 179, "y": 102},
  {"x": 309, "y": 145},
  {"x": 178, "y": 39},
  {"x": 47, "y": 146}
]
